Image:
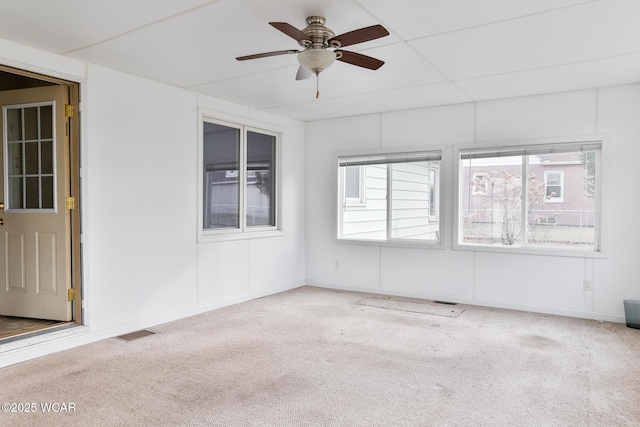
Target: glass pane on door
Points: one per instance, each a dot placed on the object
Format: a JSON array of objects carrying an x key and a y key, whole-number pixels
[
  {"x": 32, "y": 158},
  {"x": 30, "y": 145},
  {"x": 31, "y": 123},
  {"x": 15, "y": 199},
  {"x": 14, "y": 124},
  {"x": 14, "y": 162}
]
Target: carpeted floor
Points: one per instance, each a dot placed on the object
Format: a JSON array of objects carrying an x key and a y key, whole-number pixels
[{"x": 315, "y": 357}]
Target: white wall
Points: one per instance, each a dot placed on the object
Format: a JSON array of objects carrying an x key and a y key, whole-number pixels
[
  {"x": 537, "y": 283},
  {"x": 142, "y": 263}
]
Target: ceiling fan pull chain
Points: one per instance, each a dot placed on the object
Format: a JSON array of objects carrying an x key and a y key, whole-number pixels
[{"x": 317, "y": 86}]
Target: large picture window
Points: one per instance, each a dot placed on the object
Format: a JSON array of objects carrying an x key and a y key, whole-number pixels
[
  {"x": 402, "y": 197},
  {"x": 533, "y": 197},
  {"x": 239, "y": 179}
]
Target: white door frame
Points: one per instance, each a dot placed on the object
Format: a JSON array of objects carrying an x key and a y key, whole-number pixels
[{"x": 75, "y": 88}]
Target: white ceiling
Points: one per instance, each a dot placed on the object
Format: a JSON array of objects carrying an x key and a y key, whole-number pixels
[{"x": 438, "y": 52}]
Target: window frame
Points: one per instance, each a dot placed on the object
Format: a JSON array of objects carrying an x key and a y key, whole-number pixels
[
  {"x": 243, "y": 231},
  {"x": 599, "y": 232},
  {"x": 391, "y": 242}
]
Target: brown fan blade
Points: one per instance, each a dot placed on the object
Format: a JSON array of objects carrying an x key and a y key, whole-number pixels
[
  {"x": 360, "y": 60},
  {"x": 303, "y": 73},
  {"x": 291, "y": 31},
  {"x": 359, "y": 36},
  {"x": 266, "y": 54}
]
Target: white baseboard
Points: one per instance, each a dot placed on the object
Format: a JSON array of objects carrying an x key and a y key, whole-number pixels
[{"x": 604, "y": 317}]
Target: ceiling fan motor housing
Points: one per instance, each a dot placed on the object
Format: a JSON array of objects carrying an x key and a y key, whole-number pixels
[{"x": 318, "y": 33}]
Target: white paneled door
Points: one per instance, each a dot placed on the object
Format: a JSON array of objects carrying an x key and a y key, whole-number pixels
[{"x": 35, "y": 228}]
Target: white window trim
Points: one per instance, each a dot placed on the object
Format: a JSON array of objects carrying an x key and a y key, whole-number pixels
[
  {"x": 600, "y": 198},
  {"x": 402, "y": 243},
  {"x": 241, "y": 233},
  {"x": 555, "y": 199}
]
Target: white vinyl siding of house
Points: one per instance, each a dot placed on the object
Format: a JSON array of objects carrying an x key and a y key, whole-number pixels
[
  {"x": 369, "y": 220},
  {"x": 411, "y": 202}
]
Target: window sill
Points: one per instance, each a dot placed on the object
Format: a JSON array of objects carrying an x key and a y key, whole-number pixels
[
  {"x": 555, "y": 252},
  {"x": 392, "y": 243},
  {"x": 211, "y": 237}
]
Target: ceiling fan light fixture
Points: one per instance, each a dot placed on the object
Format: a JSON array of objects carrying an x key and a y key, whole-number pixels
[{"x": 316, "y": 60}]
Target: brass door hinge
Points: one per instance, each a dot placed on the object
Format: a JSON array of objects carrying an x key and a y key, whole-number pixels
[
  {"x": 71, "y": 294},
  {"x": 68, "y": 110},
  {"x": 71, "y": 203}
]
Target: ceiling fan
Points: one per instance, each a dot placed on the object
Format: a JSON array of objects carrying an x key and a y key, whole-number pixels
[{"x": 322, "y": 46}]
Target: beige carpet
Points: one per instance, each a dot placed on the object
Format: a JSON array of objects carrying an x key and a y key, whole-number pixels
[{"x": 314, "y": 357}]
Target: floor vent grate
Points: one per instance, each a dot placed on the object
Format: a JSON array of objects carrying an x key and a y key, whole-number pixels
[
  {"x": 135, "y": 335},
  {"x": 413, "y": 305}
]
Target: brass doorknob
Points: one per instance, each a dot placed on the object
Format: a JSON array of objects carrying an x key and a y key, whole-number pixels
[
  {"x": 2, "y": 206},
  {"x": 1, "y": 221}
]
